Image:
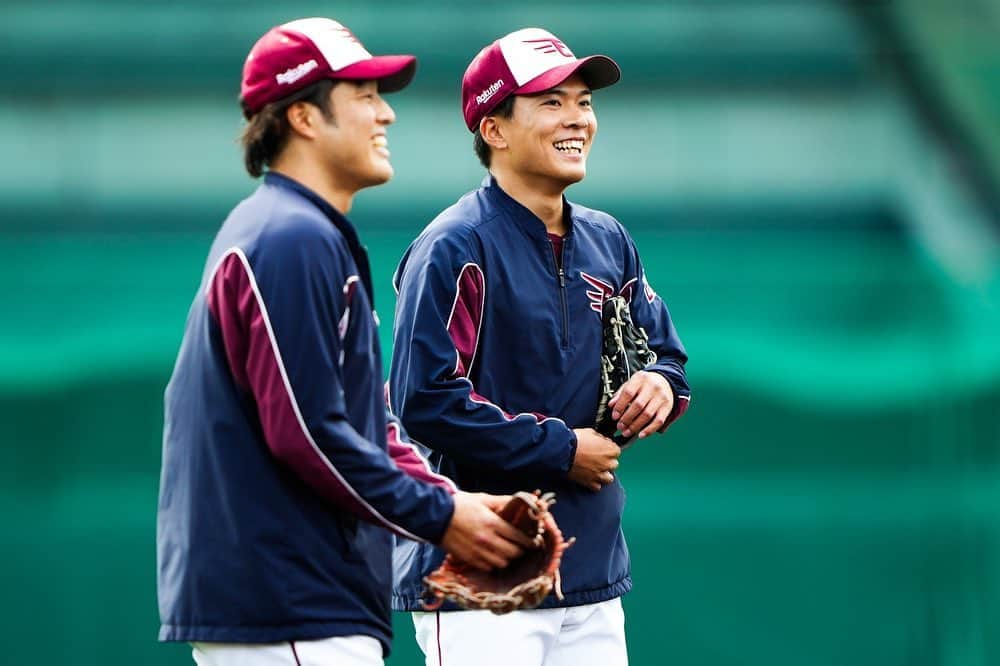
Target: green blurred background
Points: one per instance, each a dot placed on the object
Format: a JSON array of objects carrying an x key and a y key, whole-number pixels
[{"x": 813, "y": 186}]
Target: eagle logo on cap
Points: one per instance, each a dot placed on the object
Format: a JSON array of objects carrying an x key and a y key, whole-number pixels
[
  {"x": 550, "y": 45},
  {"x": 345, "y": 33}
]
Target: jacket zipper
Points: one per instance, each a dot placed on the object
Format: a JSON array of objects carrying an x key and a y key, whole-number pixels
[
  {"x": 562, "y": 293},
  {"x": 565, "y": 310}
]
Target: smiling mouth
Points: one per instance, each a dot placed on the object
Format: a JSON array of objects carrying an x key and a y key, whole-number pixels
[
  {"x": 570, "y": 146},
  {"x": 380, "y": 142}
]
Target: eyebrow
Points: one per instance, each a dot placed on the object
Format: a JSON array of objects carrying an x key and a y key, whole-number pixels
[{"x": 563, "y": 92}]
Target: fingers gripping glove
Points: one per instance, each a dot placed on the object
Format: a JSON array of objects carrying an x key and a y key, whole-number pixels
[
  {"x": 625, "y": 352},
  {"x": 524, "y": 583}
]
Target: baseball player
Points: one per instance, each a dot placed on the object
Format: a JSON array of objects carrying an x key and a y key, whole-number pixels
[
  {"x": 497, "y": 344},
  {"x": 283, "y": 478}
]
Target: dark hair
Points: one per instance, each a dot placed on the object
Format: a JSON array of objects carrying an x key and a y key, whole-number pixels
[
  {"x": 505, "y": 110},
  {"x": 266, "y": 131}
]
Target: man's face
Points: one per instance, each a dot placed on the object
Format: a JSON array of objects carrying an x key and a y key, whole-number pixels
[
  {"x": 550, "y": 134},
  {"x": 354, "y": 143}
]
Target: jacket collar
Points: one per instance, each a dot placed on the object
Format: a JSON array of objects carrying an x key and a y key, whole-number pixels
[
  {"x": 343, "y": 225},
  {"x": 519, "y": 213},
  {"x": 339, "y": 221}
]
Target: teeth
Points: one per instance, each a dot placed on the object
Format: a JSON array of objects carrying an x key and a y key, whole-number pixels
[
  {"x": 380, "y": 142},
  {"x": 570, "y": 146}
]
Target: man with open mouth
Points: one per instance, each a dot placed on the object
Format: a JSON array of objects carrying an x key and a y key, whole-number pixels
[
  {"x": 497, "y": 347},
  {"x": 283, "y": 475}
]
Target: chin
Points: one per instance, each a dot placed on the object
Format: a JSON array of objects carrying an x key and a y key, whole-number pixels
[
  {"x": 379, "y": 176},
  {"x": 573, "y": 176},
  {"x": 570, "y": 172}
]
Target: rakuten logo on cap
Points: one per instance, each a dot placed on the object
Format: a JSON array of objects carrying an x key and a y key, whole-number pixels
[
  {"x": 295, "y": 73},
  {"x": 484, "y": 96}
]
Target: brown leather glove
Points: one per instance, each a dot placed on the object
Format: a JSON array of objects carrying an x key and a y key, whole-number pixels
[{"x": 524, "y": 583}]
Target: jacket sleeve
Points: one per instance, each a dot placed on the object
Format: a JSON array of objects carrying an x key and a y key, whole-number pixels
[
  {"x": 651, "y": 313},
  {"x": 407, "y": 456},
  {"x": 281, "y": 314},
  {"x": 439, "y": 314}
]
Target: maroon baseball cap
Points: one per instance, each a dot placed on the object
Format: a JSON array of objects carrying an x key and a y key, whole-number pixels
[
  {"x": 293, "y": 55},
  {"x": 524, "y": 62}
]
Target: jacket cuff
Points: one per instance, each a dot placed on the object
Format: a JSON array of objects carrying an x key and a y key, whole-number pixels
[
  {"x": 437, "y": 534},
  {"x": 568, "y": 464},
  {"x": 682, "y": 396}
]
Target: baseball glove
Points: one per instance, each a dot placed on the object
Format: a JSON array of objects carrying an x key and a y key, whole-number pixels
[
  {"x": 524, "y": 583},
  {"x": 626, "y": 351}
]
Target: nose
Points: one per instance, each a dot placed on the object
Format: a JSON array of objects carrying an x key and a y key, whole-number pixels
[
  {"x": 577, "y": 119},
  {"x": 386, "y": 116}
]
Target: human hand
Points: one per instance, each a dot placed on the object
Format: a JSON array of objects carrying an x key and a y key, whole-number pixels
[
  {"x": 478, "y": 536},
  {"x": 643, "y": 404},
  {"x": 596, "y": 459}
]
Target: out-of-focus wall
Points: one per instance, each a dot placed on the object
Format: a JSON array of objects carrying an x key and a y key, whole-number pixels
[{"x": 829, "y": 254}]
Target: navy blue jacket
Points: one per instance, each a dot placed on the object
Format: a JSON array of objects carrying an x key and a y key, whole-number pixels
[
  {"x": 496, "y": 359},
  {"x": 282, "y": 475}
]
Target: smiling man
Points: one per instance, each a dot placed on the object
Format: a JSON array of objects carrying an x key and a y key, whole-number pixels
[
  {"x": 497, "y": 348},
  {"x": 283, "y": 476}
]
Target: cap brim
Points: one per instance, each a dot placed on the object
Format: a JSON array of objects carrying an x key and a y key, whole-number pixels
[
  {"x": 597, "y": 71},
  {"x": 391, "y": 72}
]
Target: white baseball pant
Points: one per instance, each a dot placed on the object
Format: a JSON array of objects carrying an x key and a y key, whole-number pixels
[
  {"x": 353, "y": 650},
  {"x": 574, "y": 636}
]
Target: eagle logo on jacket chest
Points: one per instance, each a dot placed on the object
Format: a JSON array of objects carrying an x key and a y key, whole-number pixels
[{"x": 602, "y": 291}]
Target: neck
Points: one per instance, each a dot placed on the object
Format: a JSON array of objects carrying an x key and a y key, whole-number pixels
[
  {"x": 544, "y": 200},
  {"x": 312, "y": 176}
]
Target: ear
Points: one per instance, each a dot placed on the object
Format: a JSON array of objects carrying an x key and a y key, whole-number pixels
[
  {"x": 302, "y": 118},
  {"x": 491, "y": 128}
]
